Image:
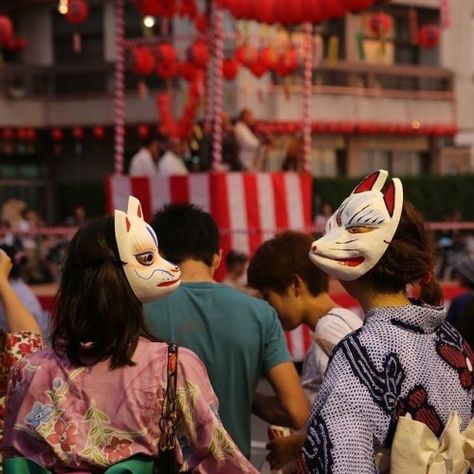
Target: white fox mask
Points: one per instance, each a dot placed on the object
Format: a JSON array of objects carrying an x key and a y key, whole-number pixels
[
  {"x": 360, "y": 231},
  {"x": 150, "y": 276}
]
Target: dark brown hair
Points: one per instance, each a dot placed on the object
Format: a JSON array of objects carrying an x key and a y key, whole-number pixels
[
  {"x": 409, "y": 259},
  {"x": 95, "y": 303},
  {"x": 277, "y": 261}
]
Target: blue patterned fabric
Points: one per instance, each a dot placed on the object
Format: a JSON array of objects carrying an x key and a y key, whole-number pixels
[{"x": 403, "y": 360}]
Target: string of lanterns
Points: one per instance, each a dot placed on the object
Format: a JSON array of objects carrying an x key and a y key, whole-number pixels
[{"x": 143, "y": 131}]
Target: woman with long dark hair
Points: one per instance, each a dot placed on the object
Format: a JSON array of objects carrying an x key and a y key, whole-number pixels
[
  {"x": 406, "y": 370},
  {"x": 107, "y": 392}
]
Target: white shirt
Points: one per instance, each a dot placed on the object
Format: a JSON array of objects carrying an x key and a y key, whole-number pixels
[
  {"x": 248, "y": 145},
  {"x": 170, "y": 165},
  {"x": 142, "y": 164},
  {"x": 329, "y": 331}
]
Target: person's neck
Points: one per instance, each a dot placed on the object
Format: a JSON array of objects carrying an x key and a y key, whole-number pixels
[
  {"x": 196, "y": 271},
  {"x": 317, "y": 307},
  {"x": 378, "y": 300}
]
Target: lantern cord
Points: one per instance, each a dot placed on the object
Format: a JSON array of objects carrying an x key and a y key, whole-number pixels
[
  {"x": 218, "y": 86},
  {"x": 119, "y": 105},
  {"x": 307, "y": 95}
]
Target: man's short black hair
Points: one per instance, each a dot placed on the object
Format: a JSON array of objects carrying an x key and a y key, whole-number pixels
[{"x": 186, "y": 232}]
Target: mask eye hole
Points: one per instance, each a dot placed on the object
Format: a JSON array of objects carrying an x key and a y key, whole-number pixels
[
  {"x": 359, "y": 230},
  {"x": 145, "y": 258}
]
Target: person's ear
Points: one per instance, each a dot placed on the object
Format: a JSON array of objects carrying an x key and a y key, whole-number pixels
[
  {"x": 297, "y": 285},
  {"x": 216, "y": 261}
]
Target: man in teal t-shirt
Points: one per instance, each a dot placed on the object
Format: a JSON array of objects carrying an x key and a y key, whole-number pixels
[{"x": 238, "y": 337}]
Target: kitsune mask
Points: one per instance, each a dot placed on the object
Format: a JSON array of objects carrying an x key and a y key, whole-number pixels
[
  {"x": 150, "y": 276},
  {"x": 360, "y": 231}
]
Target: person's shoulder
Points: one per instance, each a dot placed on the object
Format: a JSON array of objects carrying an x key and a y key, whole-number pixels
[{"x": 340, "y": 319}]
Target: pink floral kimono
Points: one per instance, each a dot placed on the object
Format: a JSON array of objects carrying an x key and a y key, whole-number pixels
[{"x": 87, "y": 418}]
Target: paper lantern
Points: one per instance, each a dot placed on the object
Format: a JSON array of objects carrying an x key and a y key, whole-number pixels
[
  {"x": 313, "y": 11},
  {"x": 187, "y": 8},
  {"x": 21, "y": 134},
  {"x": 258, "y": 69},
  {"x": 147, "y": 7},
  {"x": 429, "y": 36},
  {"x": 78, "y": 133},
  {"x": 143, "y": 132},
  {"x": 294, "y": 11},
  {"x": 265, "y": 12},
  {"x": 200, "y": 53},
  {"x": 57, "y": 134},
  {"x": 98, "y": 132},
  {"x": 166, "y": 53},
  {"x": 7, "y": 134},
  {"x": 187, "y": 70},
  {"x": 380, "y": 24},
  {"x": 202, "y": 23},
  {"x": 288, "y": 62},
  {"x": 332, "y": 8},
  {"x": 238, "y": 8},
  {"x": 167, "y": 70},
  {"x": 230, "y": 69},
  {"x": 268, "y": 57},
  {"x": 6, "y": 29},
  {"x": 77, "y": 11},
  {"x": 357, "y": 5},
  {"x": 30, "y": 134},
  {"x": 246, "y": 55},
  {"x": 143, "y": 61}
]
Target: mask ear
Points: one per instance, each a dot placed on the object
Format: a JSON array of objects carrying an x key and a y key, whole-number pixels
[
  {"x": 375, "y": 181},
  {"x": 134, "y": 207},
  {"x": 393, "y": 196},
  {"x": 122, "y": 223}
]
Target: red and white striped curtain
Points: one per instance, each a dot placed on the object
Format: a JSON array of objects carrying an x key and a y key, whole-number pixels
[{"x": 249, "y": 208}]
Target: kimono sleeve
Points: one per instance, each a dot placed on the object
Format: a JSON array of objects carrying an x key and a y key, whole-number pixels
[{"x": 206, "y": 446}]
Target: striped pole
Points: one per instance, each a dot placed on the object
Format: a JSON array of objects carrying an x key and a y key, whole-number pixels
[
  {"x": 119, "y": 103},
  {"x": 209, "y": 84},
  {"x": 218, "y": 86},
  {"x": 307, "y": 95}
]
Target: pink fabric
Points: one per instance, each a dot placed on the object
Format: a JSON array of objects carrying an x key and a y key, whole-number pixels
[{"x": 87, "y": 417}]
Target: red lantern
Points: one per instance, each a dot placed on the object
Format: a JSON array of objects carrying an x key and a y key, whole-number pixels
[
  {"x": 143, "y": 61},
  {"x": 200, "y": 53},
  {"x": 288, "y": 62},
  {"x": 429, "y": 36},
  {"x": 230, "y": 69},
  {"x": 166, "y": 8},
  {"x": 294, "y": 11},
  {"x": 265, "y": 13},
  {"x": 187, "y": 71},
  {"x": 357, "y": 5},
  {"x": 187, "y": 8},
  {"x": 258, "y": 69},
  {"x": 380, "y": 24},
  {"x": 280, "y": 12},
  {"x": 78, "y": 133},
  {"x": 268, "y": 57},
  {"x": 143, "y": 132},
  {"x": 7, "y": 134},
  {"x": 167, "y": 70},
  {"x": 21, "y": 134},
  {"x": 239, "y": 8},
  {"x": 99, "y": 132},
  {"x": 313, "y": 11},
  {"x": 202, "y": 23},
  {"x": 166, "y": 53},
  {"x": 246, "y": 55},
  {"x": 30, "y": 134},
  {"x": 6, "y": 29},
  {"x": 77, "y": 11},
  {"x": 332, "y": 8},
  {"x": 57, "y": 134}
]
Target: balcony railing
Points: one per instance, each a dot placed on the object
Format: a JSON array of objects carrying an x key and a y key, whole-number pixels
[{"x": 18, "y": 81}]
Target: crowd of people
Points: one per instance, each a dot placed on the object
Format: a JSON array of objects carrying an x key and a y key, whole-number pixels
[{"x": 390, "y": 392}]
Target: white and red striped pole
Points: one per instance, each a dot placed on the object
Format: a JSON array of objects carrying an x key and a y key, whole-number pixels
[
  {"x": 307, "y": 96},
  {"x": 218, "y": 86},
  {"x": 119, "y": 103}
]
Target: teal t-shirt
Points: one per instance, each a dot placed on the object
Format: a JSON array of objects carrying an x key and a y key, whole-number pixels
[{"x": 238, "y": 337}]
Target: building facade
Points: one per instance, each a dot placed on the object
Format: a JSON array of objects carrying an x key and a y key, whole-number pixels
[{"x": 396, "y": 105}]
